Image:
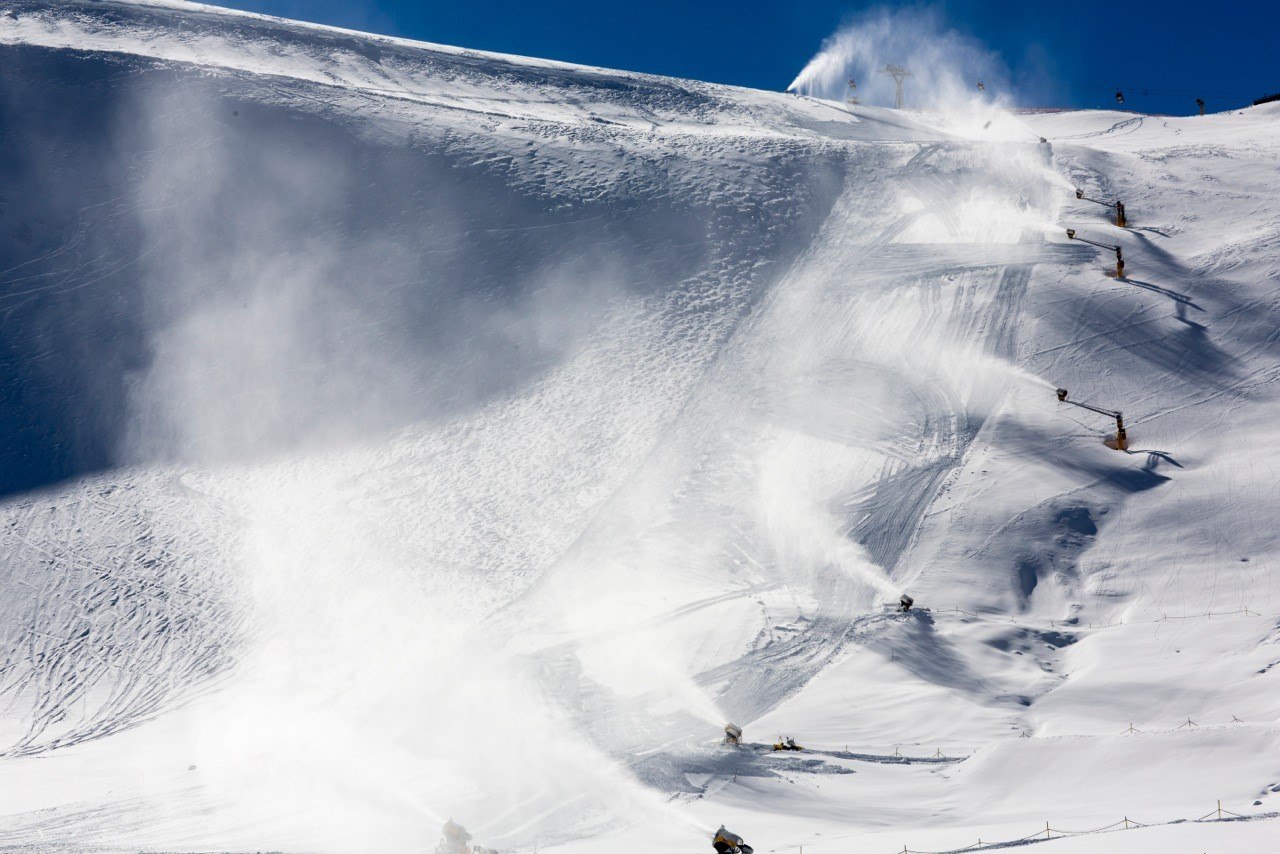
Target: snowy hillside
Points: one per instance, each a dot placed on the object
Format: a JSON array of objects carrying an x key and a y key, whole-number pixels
[{"x": 396, "y": 432}]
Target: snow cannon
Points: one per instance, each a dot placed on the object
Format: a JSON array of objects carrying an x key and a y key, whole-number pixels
[
  {"x": 732, "y": 734},
  {"x": 455, "y": 839},
  {"x": 1071, "y": 235},
  {"x": 905, "y": 603},
  {"x": 727, "y": 842},
  {"x": 1121, "y": 220},
  {"x": 1121, "y": 440}
]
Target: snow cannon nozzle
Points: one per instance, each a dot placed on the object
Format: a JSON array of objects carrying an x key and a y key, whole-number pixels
[
  {"x": 732, "y": 734},
  {"x": 1062, "y": 394}
]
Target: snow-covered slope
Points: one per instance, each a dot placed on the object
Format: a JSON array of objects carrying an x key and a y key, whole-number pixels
[{"x": 396, "y": 432}]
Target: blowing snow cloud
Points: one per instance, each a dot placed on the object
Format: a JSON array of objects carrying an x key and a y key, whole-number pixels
[{"x": 946, "y": 65}]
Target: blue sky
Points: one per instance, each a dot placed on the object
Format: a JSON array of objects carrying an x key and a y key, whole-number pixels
[{"x": 1062, "y": 54}]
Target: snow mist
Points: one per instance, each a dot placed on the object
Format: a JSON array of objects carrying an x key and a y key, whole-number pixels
[{"x": 946, "y": 65}]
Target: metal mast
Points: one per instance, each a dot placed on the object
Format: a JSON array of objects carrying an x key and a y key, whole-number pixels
[{"x": 898, "y": 73}]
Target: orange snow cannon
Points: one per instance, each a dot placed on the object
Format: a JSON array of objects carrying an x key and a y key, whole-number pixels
[{"x": 1120, "y": 442}]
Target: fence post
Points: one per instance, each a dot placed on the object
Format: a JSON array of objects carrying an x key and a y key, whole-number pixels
[
  {"x": 1219, "y": 809},
  {"x": 1126, "y": 822},
  {"x": 1046, "y": 830}
]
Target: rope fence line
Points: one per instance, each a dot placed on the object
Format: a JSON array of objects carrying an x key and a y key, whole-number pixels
[
  {"x": 960, "y": 753},
  {"x": 1215, "y": 815},
  {"x": 1220, "y": 812}
]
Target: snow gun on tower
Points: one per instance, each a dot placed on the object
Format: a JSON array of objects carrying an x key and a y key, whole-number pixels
[{"x": 1121, "y": 440}]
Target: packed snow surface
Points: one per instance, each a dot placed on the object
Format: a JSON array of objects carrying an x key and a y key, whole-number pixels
[{"x": 395, "y": 432}]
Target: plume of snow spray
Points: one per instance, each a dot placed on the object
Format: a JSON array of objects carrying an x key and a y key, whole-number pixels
[{"x": 946, "y": 65}]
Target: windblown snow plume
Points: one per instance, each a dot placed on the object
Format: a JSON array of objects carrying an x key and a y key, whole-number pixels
[{"x": 946, "y": 65}]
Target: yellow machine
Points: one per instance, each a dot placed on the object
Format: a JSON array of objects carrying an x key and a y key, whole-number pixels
[
  {"x": 786, "y": 744},
  {"x": 726, "y": 842}
]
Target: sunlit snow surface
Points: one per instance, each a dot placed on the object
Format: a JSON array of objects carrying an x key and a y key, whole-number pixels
[{"x": 401, "y": 432}]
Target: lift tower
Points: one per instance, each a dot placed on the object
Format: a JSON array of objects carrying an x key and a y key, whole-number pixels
[{"x": 898, "y": 73}]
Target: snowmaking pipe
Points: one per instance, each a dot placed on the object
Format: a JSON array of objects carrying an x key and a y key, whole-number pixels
[
  {"x": 1122, "y": 438},
  {"x": 1117, "y": 204},
  {"x": 1071, "y": 235}
]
